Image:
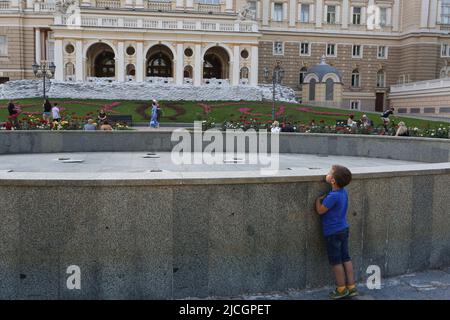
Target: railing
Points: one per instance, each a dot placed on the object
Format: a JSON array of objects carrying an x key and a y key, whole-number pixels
[
  {"x": 149, "y": 23},
  {"x": 202, "y": 7},
  {"x": 421, "y": 85},
  {"x": 130, "y": 23},
  {"x": 189, "y": 25},
  {"x": 159, "y": 5},
  {"x": 47, "y": 6},
  {"x": 4, "y": 5},
  {"x": 108, "y": 4}
]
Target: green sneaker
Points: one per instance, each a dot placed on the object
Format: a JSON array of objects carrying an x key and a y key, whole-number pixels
[
  {"x": 335, "y": 295},
  {"x": 353, "y": 292}
]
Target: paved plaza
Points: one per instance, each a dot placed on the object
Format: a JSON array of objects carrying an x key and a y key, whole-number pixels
[{"x": 429, "y": 285}]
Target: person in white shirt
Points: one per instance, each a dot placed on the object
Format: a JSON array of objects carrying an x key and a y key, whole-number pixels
[
  {"x": 55, "y": 113},
  {"x": 275, "y": 127}
]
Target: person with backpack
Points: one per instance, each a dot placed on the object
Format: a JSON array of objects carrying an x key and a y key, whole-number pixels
[{"x": 47, "y": 110}]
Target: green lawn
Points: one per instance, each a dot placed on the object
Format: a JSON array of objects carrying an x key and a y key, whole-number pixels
[{"x": 188, "y": 111}]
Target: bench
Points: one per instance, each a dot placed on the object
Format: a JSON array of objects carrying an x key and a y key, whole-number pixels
[{"x": 113, "y": 119}]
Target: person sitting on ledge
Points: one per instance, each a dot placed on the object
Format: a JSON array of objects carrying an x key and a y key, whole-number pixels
[
  {"x": 90, "y": 126},
  {"x": 106, "y": 126},
  {"x": 366, "y": 122},
  {"x": 102, "y": 116},
  {"x": 288, "y": 128},
  {"x": 275, "y": 127},
  {"x": 350, "y": 122},
  {"x": 402, "y": 130}
]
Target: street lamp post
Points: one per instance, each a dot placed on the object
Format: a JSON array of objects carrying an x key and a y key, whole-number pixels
[
  {"x": 46, "y": 70},
  {"x": 277, "y": 77}
]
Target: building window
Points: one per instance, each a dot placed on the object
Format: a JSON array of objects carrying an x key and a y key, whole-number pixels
[
  {"x": 355, "y": 105},
  {"x": 445, "y": 12},
  {"x": 3, "y": 46},
  {"x": 278, "y": 48},
  {"x": 304, "y": 49},
  {"x": 207, "y": 1},
  {"x": 278, "y": 12},
  {"x": 331, "y": 14},
  {"x": 357, "y": 51},
  {"x": 356, "y": 79},
  {"x": 304, "y": 13},
  {"x": 382, "y": 52},
  {"x": 404, "y": 78},
  {"x": 381, "y": 79},
  {"x": 445, "y": 51},
  {"x": 302, "y": 75},
  {"x": 70, "y": 49},
  {"x": 356, "y": 19},
  {"x": 331, "y": 50},
  {"x": 253, "y": 8},
  {"x": 383, "y": 17}
]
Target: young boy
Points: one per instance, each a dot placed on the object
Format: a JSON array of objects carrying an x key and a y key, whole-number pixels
[{"x": 333, "y": 212}]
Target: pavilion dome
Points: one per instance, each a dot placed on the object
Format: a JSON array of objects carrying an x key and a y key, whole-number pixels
[{"x": 322, "y": 69}]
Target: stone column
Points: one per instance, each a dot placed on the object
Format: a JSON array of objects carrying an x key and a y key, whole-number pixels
[
  {"x": 59, "y": 60},
  {"x": 37, "y": 45},
  {"x": 396, "y": 16},
  {"x": 229, "y": 5},
  {"x": 139, "y": 4},
  {"x": 140, "y": 62},
  {"x": 198, "y": 67},
  {"x": 79, "y": 62},
  {"x": 15, "y": 4},
  {"x": 120, "y": 62},
  {"x": 254, "y": 66},
  {"x": 319, "y": 13},
  {"x": 433, "y": 13},
  {"x": 179, "y": 65},
  {"x": 292, "y": 13},
  {"x": 236, "y": 66},
  {"x": 424, "y": 12},
  {"x": 189, "y": 4},
  {"x": 180, "y": 4},
  {"x": 128, "y": 3},
  {"x": 345, "y": 14},
  {"x": 265, "y": 15}
]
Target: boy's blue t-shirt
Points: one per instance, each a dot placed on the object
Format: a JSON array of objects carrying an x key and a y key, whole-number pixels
[{"x": 335, "y": 220}]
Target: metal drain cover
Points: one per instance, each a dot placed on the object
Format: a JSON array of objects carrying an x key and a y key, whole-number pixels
[
  {"x": 155, "y": 170},
  {"x": 234, "y": 160},
  {"x": 72, "y": 161}
]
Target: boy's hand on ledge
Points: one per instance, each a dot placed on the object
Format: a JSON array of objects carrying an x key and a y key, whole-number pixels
[{"x": 320, "y": 208}]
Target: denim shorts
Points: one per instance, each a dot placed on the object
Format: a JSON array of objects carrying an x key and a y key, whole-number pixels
[{"x": 337, "y": 247}]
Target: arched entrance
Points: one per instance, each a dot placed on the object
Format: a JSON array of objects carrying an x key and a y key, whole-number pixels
[
  {"x": 216, "y": 64},
  {"x": 159, "y": 62},
  {"x": 100, "y": 60}
]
